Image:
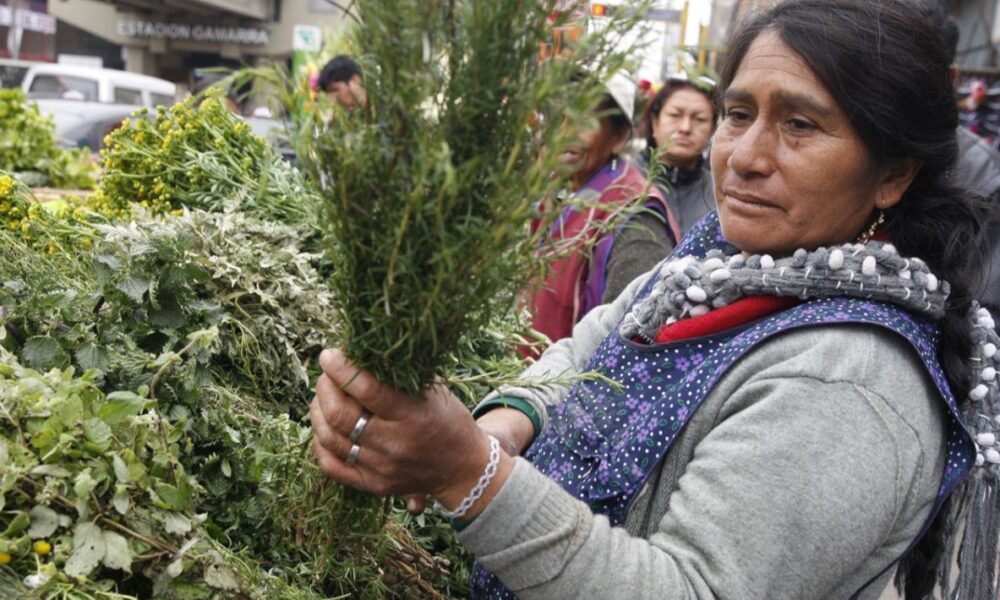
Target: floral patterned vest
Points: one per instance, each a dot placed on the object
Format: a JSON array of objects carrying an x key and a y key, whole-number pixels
[{"x": 602, "y": 443}]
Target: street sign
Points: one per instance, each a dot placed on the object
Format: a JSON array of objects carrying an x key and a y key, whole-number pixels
[{"x": 307, "y": 38}]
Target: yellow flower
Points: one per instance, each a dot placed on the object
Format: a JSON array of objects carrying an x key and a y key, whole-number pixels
[
  {"x": 41, "y": 547},
  {"x": 6, "y": 185},
  {"x": 5, "y": 558}
]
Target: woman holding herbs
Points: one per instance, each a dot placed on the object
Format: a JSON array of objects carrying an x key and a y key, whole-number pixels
[{"x": 803, "y": 386}]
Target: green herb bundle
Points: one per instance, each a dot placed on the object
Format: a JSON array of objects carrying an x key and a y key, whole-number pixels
[{"x": 428, "y": 191}]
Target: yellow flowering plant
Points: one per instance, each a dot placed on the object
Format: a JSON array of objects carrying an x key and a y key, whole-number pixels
[
  {"x": 64, "y": 226},
  {"x": 197, "y": 154},
  {"x": 28, "y": 148}
]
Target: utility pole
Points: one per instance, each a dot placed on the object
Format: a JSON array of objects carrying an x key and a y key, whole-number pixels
[{"x": 15, "y": 32}]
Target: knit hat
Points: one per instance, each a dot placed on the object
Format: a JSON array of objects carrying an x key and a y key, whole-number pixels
[{"x": 621, "y": 88}]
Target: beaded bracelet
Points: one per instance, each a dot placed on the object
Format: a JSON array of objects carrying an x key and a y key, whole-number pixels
[{"x": 477, "y": 492}]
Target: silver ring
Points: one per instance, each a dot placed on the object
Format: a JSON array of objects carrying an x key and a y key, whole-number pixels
[
  {"x": 359, "y": 427},
  {"x": 352, "y": 456}
]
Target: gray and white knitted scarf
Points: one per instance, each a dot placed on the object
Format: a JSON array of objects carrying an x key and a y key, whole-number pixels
[{"x": 689, "y": 287}]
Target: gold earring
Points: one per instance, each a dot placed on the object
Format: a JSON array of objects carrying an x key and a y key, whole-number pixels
[{"x": 865, "y": 237}]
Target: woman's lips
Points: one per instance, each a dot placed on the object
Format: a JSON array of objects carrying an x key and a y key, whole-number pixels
[
  {"x": 570, "y": 156},
  {"x": 749, "y": 202}
]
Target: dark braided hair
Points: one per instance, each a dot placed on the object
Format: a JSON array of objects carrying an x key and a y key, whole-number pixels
[{"x": 886, "y": 65}]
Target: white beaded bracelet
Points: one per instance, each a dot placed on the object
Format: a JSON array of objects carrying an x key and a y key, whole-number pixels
[{"x": 477, "y": 492}]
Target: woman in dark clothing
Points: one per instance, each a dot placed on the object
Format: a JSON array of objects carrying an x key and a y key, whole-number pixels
[{"x": 681, "y": 119}]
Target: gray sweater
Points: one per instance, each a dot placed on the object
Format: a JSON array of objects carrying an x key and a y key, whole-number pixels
[{"x": 807, "y": 471}]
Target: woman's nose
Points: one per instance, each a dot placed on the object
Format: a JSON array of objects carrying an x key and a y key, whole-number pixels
[
  {"x": 753, "y": 152},
  {"x": 685, "y": 124}
]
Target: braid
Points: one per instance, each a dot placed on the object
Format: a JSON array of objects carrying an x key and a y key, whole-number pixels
[{"x": 945, "y": 228}]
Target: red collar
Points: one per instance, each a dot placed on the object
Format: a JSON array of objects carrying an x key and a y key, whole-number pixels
[{"x": 738, "y": 313}]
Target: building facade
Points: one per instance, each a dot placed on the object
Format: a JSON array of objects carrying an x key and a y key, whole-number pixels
[
  {"x": 171, "y": 38},
  {"x": 27, "y": 31}
]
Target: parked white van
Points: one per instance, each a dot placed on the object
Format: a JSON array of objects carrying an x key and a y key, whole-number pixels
[
  {"x": 12, "y": 71},
  {"x": 71, "y": 82}
]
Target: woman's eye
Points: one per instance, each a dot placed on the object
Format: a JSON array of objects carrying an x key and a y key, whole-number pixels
[
  {"x": 737, "y": 115},
  {"x": 801, "y": 125}
]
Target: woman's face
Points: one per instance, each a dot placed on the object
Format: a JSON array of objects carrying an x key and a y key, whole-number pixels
[
  {"x": 595, "y": 144},
  {"x": 790, "y": 171},
  {"x": 683, "y": 127}
]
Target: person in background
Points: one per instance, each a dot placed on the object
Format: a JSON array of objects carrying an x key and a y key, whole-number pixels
[
  {"x": 341, "y": 77},
  {"x": 679, "y": 122},
  {"x": 786, "y": 404},
  {"x": 602, "y": 184},
  {"x": 978, "y": 165}
]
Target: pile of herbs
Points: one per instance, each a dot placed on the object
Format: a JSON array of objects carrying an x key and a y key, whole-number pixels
[
  {"x": 152, "y": 395},
  {"x": 28, "y": 147}
]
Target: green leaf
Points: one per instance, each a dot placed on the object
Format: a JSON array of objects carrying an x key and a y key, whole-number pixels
[
  {"x": 205, "y": 337},
  {"x": 89, "y": 548},
  {"x": 121, "y": 469},
  {"x": 169, "y": 315},
  {"x": 122, "y": 501},
  {"x": 176, "y": 523},
  {"x": 92, "y": 356},
  {"x": 175, "y": 568},
  {"x": 43, "y": 353},
  {"x": 121, "y": 405},
  {"x": 98, "y": 432},
  {"x": 176, "y": 498},
  {"x": 44, "y": 522},
  {"x": 50, "y": 471},
  {"x": 221, "y": 577},
  {"x": 109, "y": 261},
  {"x": 134, "y": 287},
  {"x": 84, "y": 484},
  {"x": 117, "y": 554}
]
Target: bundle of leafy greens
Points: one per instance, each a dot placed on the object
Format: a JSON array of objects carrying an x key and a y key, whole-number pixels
[{"x": 428, "y": 189}]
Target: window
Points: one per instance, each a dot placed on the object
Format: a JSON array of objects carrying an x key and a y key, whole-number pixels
[
  {"x": 11, "y": 76},
  {"x": 161, "y": 99},
  {"x": 63, "y": 86},
  {"x": 127, "y": 96}
]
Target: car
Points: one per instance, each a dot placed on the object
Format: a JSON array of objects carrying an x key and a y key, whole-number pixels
[
  {"x": 275, "y": 132},
  {"x": 71, "y": 82},
  {"x": 12, "y": 72},
  {"x": 84, "y": 124}
]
